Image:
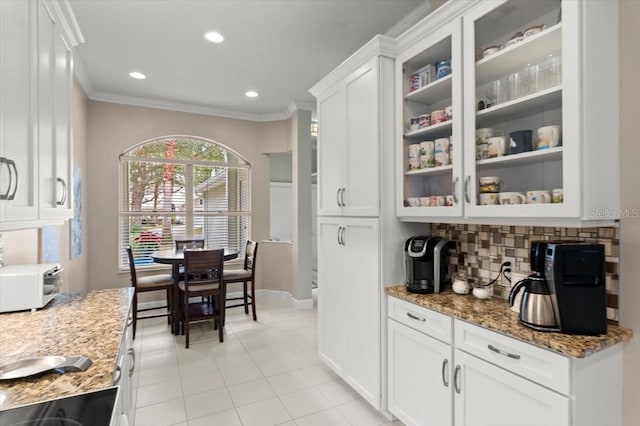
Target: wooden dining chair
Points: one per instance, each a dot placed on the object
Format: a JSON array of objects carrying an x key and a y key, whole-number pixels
[
  {"x": 147, "y": 283},
  {"x": 203, "y": 276},
  {"x": 187, "y": 244},
  {"x": 245, "y": 275}
]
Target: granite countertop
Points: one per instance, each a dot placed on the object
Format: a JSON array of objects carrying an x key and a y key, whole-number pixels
[
  {"x": 495, "y": 314},
  {"x": 73, "y": 324}
]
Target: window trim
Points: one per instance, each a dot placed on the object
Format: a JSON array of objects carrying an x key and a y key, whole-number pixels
[{"x": 123, "y": 191}]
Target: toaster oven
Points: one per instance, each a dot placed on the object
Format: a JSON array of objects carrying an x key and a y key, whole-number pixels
[{"x": 24, "y": 287}]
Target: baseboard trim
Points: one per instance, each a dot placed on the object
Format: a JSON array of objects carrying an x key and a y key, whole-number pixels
[{"x": 300, "y": 304}]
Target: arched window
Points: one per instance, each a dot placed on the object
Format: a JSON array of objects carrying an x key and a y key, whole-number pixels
[{"x": 182, "y": 187}]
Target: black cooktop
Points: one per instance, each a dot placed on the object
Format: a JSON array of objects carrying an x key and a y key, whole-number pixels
[{"x": 88, "y": 409}]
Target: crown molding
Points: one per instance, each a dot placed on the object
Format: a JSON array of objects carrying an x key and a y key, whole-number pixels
[
  {"x": 379, "y": 45},
  {"x": 183, "y": 107},
  {"x": 62, "y": 9},
  {"x": 422, "y": 10},
  {"x": 439, "y": 17}
]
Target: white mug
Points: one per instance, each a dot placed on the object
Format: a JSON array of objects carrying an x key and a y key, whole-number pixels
[
  {"x": 497, "y": 146},
  {"x": 414, "y": 150},
  {"x": 549, "y": 137},
  {"x": 488, "y": 199},
  {"x": 512, "y": 198},
  {"x": 414, "y": 163},
  {"x": 538, "y": 197},
  {"x": 557, "y": 196},
  {"x": 425, "y": 201},
  {"x": 437, "y": 200},
  {"x": 413, "y": 201},
  {"x": 442, "y": 145},
  {"x": 426, "y": 147}
]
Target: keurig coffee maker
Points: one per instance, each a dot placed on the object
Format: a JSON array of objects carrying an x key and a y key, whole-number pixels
[
  {"x": 576, "y": 280},
  {"x": 427, "y": 264}
]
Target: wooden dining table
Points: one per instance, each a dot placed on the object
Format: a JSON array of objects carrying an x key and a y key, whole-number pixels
[{"x": 175, "y": 258}]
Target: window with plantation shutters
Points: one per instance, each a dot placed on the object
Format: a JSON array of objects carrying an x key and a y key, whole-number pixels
[{"x": 182, "y": 187}]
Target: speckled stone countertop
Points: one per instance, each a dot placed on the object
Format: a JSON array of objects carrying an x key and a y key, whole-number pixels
[
  {"x": 494, "y": 314},
  {"x": 73, "y": 324}
]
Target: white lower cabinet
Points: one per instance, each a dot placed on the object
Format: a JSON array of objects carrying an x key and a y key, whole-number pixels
[
  {"x": 349, "y": 302},
  {"x": 122, "y": 376},
  {"x": 419, "y": 377},
  {"x": 445, "y": 371},
  {"x": 488, "y": 395}
]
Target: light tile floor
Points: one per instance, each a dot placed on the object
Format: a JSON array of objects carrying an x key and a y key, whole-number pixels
[{"x": 264, "y": 373}]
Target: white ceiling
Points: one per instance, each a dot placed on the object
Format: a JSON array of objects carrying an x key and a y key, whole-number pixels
[{"x": 279, "y": 48}]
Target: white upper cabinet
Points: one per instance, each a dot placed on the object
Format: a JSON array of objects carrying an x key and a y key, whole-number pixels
[
  {"x": 54, "y": 117},
  {"x": 429, "y": 154},
  {"x": 534, "y": 107},
  {"x": 352, "y": 124},
  {"x": 36, "y": 75},
  {"x": 18, "y": 143}
]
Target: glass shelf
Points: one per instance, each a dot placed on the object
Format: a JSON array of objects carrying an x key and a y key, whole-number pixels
[{"x": 536, "y": 46}]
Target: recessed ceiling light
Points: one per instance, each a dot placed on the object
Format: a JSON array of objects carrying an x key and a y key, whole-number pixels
[
  {"x": 251, "y": 94},
  {"x": 137, "y": 75},
  {"x": 214, "y": 37}
]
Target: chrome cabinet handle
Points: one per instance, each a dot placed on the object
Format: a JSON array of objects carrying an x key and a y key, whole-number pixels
[
  {"x": 5, "y": 195},
  {"x": 12, "y": 164},
  {"x": 466, "y": 189},
  {"x": 342, "y": 197},
  {"x": 455, "y": 196},
  {"x": 445, "y": 379},
  {"x": 63, "y": 199},
  {"x": 342, "y": 235},
  {"x": 132, "y": 353},
  {"x": 456, "y": 374},
  {"x": 117, "y": 375},
  {"x": 338, "y": 197},
  {"x": 338, "y": 235},
  {"x": 501, "y": 352},
  {"x": 410, "y": 315}
]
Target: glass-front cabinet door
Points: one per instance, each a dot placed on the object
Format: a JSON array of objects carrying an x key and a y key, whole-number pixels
[
  {"x": 521, "y": 91},
  {"x": 429, "y": 119}
]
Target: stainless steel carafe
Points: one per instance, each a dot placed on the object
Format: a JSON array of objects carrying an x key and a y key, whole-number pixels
[{"x": 536, "y": 308}]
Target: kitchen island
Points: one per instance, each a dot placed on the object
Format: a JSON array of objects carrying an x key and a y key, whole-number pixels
[{"x": 89, "y": 324}]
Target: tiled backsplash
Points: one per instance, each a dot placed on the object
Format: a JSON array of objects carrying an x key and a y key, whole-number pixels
[{"x": 482, "y": 248}]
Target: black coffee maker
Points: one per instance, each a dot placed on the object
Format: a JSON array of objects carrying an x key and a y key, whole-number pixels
[
  {"x": 575, "y": 273},
  {"x": 427, "y": 264}
]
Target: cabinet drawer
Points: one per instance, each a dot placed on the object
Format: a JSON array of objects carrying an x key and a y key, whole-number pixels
[
  {"x": 539, "y": 365},
  {"x": 424, "y": 320}
]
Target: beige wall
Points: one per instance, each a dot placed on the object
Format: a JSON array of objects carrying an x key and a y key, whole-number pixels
[
  {"x": 22, "y": 246},
  {"x": 630, "y": 199},
  {"x": 115, "y": 128}
]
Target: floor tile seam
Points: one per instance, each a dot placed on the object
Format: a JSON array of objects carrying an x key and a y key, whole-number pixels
[{"x": 308, "y": 414}]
